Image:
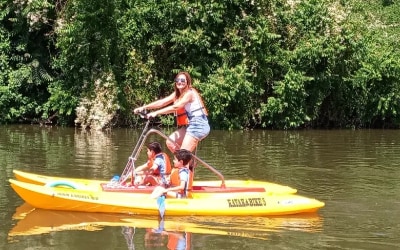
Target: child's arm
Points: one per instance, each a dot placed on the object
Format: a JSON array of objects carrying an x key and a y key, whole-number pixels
[
  {"x": 171, "y": 191},
  {"x": 154, "y": 167},
  {"x": 140, "y": 170}
]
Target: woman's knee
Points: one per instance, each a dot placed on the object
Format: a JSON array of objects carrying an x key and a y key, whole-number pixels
[
  {"x": 189, "y": 143},
  {"x": 171, "y": 146},
  {"x": 175, "y": 139}
]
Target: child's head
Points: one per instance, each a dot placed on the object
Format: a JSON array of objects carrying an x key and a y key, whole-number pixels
[
  {"x": 155, "y": 147},
  {"x": 183, "y": 155}
]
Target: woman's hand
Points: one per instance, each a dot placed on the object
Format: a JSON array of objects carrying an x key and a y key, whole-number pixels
[
  {"x": 151, "y": 115},
  {"x": 138, "y": 110}
]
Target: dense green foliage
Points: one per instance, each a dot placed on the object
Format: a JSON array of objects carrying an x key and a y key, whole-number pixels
[
  {"x": 259, "y": 64},
  {"x": 24, "y": 59}
]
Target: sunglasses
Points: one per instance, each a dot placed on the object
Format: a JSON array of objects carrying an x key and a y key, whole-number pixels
[{"x": 183, "y": 80}]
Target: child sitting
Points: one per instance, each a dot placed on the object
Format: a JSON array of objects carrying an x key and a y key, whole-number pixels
[
  {"x": 157, "y": 168},
  {"x": 180, "y": 179}
]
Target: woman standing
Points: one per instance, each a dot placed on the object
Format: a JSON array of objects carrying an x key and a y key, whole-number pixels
[{"x": 191, "y": 114}]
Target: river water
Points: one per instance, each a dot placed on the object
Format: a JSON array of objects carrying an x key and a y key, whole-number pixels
[{"x": 355, "y": 172}]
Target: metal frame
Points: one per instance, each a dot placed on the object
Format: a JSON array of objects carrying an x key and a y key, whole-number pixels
[{"x": 130, "y": 166}]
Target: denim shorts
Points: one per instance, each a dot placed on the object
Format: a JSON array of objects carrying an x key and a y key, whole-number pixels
[{"x": 198, "y": 127}]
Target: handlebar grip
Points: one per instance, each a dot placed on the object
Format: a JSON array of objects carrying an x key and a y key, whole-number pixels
[{"x": 143, "y": 114}]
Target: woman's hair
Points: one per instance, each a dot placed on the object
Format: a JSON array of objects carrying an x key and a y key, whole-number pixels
[
  {"x": 188, "y": 81},
  {"x": 155, "y": 146}
]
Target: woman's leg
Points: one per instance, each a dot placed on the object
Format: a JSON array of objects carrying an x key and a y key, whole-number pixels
[
  {"x": 177, "y": 137},
  {"x": 189, "y": 143},
  {"x": 197, "y": 130}
]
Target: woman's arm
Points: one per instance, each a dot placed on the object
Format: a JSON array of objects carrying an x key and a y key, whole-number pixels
[
  {"x": 157, "y": 104},
  {"x": 186, "y": 98}
]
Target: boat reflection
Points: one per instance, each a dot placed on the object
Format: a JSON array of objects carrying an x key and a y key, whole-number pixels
[{"x": 174, "y": 230}]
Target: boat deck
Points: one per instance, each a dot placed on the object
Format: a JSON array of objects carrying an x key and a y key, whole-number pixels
[{"x": 106, "y": 187}]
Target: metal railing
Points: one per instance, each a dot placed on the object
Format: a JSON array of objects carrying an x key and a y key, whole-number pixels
[{"x": 130, "y": 167}]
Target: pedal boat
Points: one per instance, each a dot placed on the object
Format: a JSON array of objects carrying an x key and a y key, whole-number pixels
[
  {"x": 235, "y": 201},
  {"x": 230, "y": 198}
]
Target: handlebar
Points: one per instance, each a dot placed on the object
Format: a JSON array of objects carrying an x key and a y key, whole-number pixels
[{"x": 143, "y": 114}]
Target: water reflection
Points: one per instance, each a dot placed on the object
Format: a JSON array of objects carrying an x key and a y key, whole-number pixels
[
  {"x": 171, "y": 231},
  {"x": 94, "y": 149},
  {"x": 129, "y": 233},
  {"x": 57, "y": 150},
  {"x": 355, "y": 172}
]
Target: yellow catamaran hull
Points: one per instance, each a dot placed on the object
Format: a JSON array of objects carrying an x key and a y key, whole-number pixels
[{"x": 232, "y": 201}]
